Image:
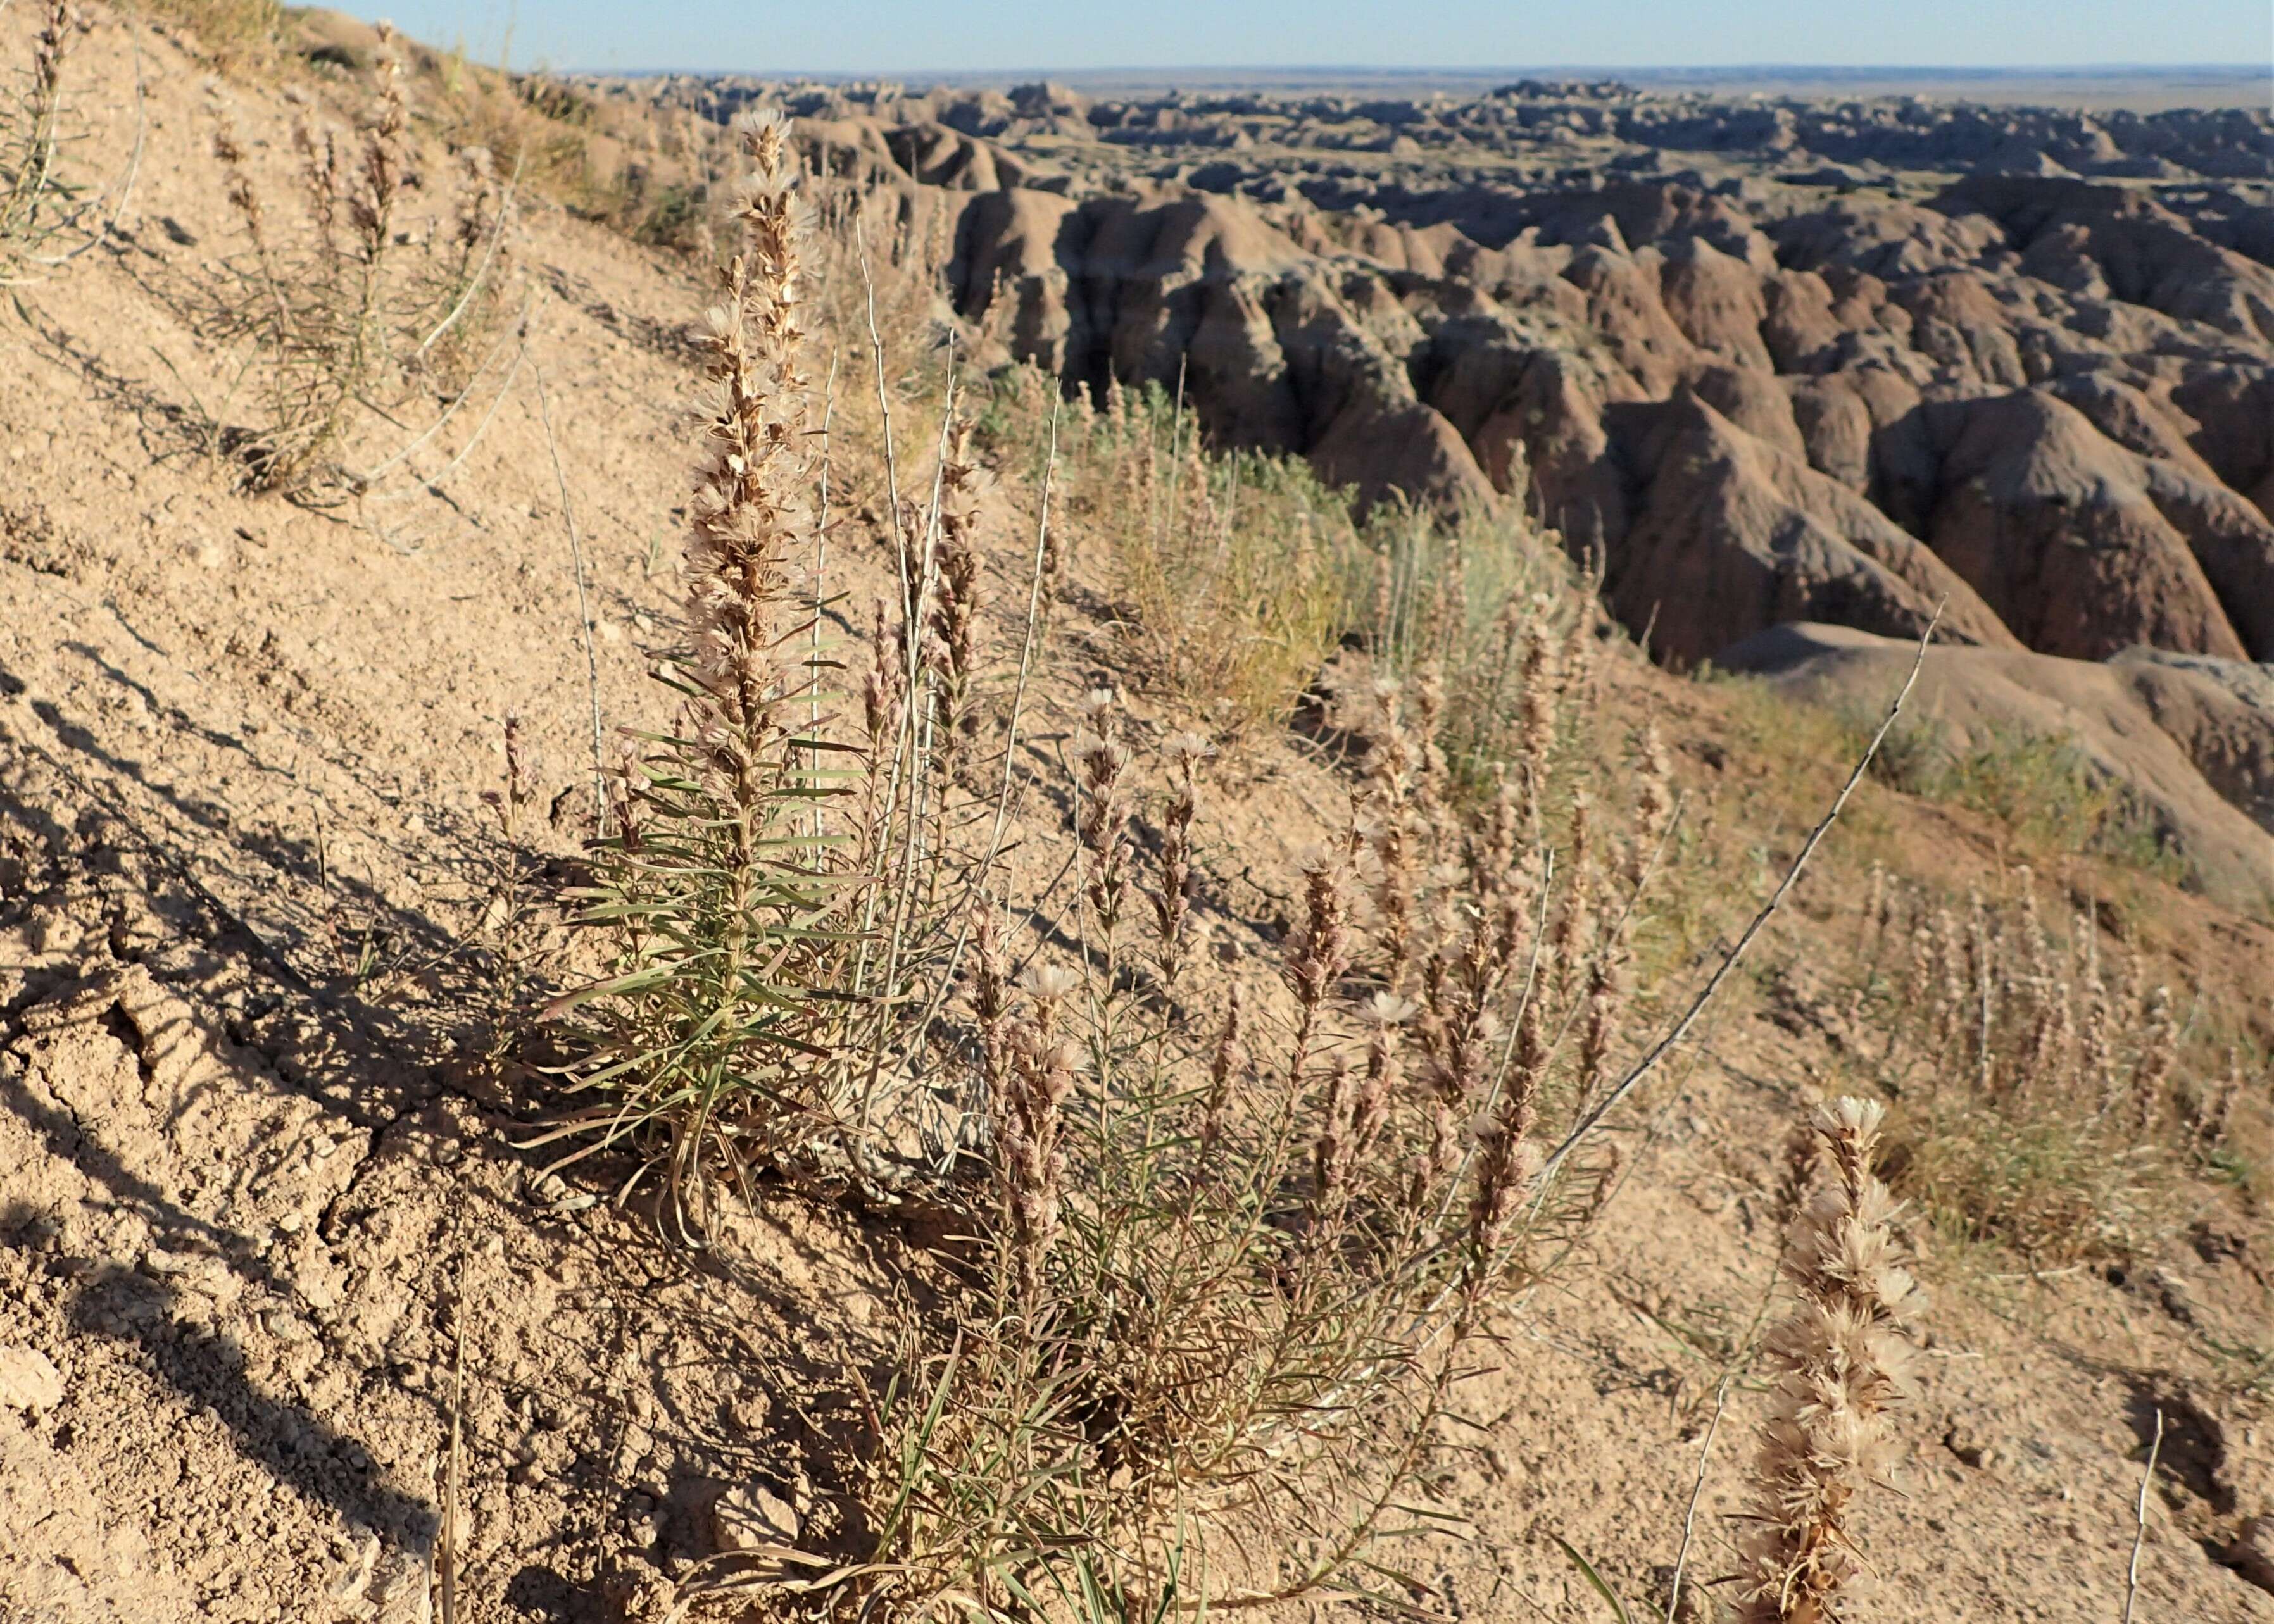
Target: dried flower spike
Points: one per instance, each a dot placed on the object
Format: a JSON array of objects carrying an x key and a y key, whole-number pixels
[{"x": 1840, "y": 1362}]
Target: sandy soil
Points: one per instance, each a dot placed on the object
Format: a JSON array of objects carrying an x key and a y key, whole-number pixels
[{"x": 263, "y": 1233}]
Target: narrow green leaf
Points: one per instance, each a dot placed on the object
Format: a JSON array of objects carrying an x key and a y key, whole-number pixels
[{"x": 1587, "y": 1570}]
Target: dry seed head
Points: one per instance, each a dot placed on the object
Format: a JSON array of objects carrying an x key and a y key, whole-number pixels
[
  {"x": 2050, "y": 1053},
  {"x": 2039, "y": 977},
  {"x": 1383, "y": 1013},
  {"x": 320, "y": 168},
  {"x": 1606, "y": 1182},
  {"x": 48, "y": 48},
  {"x": 887, "y": 684},
  {"x": 1429, "y": 765},
  {"x": 2159, "y": 1045},
  {"x": 479, "y": 172},
  {"x": 242, "y": 196},
  {"x": 1172, "y": 905},
  {"x": 751, "y": 514},
  {"x": 1506, "y": 1165},
  {"x": 1653, "y": 806},
  {"x": 1336, "y": 1147},
  {"x": 1048, "y": 983},
  {"x": 1187, "y": 749},
  {"x": 990, "y": 997},
  {"x": 1839, "y": 1360},
  {"x": 1606, "y": 992},
  {"x": 623, "y": 795},
  {"x": 1534, "y": 1045},
  {"x": 1032, "y": 1167},
  {"x": 1501, "y": 839},
  {"x": 1575, "y": 925},
  {"x": 1385, "y": 832},
  {"x": 1321, "y": 948},
  {"x": 371, "y": 207},
  {"x": 1540, "y": 688},
  {"x": 1226, "y": 1066},
  {"x": 1102, "y": 821},
  {"x": 956, "y": 602},
  {"x": 1576, "y": 672},
  {"x": 2216, "y": 1102}
]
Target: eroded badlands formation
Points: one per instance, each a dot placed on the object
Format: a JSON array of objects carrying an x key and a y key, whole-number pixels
[{"x": 1776, "y": 362}]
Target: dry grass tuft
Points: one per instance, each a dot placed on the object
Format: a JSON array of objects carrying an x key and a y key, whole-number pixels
[
  {"x": 1233, "y": 570},
  {"x": 233, "y": 35},
  {"x": 2054, "y": 1097},
  {"x": 356, "y": 313},
  {"x": 2044, "y": 791}
]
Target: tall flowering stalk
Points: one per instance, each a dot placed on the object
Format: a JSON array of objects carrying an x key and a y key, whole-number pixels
[
  {"x": 752, "y": 513},
  {"x": 1101, "y": 762},
  {"x": 1839, "y": 1363},
  {"x": 718, "y": 1037},
  {"x": 953, "y": 644}
]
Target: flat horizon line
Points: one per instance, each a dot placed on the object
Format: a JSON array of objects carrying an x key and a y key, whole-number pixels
[{"x": 1535, "y": 71}]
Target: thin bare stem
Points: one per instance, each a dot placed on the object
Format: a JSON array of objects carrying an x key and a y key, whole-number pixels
[
  {"x": 1027, "y": 649},
  {"x": 583, "y": 601},
  {"x": 481, "y": 271},
  {"x": 1680, "y": 1029},
  {"x": 2140, "y": 1519},
  {"x": 448, "y": 1555},
  {"x": 1696, "y": 1493}
]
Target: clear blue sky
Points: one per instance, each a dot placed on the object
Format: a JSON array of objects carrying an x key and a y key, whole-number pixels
[{"x": 916, "y": 36}]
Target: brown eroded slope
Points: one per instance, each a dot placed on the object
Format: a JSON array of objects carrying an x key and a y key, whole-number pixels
[
  {"x": 2056, "y": 384},
  {"x": 2037, "y": 401}
]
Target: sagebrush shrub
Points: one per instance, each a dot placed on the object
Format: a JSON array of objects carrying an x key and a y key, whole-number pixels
[{"x": 1228, "y": 1232}]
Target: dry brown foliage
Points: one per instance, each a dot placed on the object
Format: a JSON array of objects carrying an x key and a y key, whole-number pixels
[
  {"x": 2054, "y": 1093},
  {"x": 353, "y": 314}
]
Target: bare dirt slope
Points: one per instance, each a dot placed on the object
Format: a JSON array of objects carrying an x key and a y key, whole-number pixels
[{"x": 263, "y": 1235}]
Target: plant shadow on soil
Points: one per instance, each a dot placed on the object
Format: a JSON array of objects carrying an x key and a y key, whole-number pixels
[{"x": 230, "y": 1046}]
